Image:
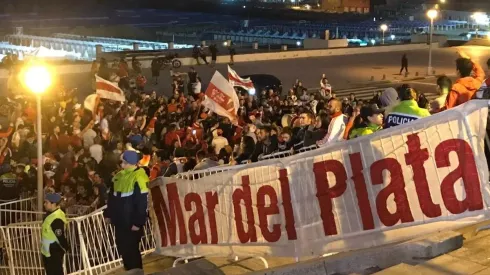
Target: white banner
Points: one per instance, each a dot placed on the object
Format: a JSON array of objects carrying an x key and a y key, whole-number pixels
[{"x": 387, "y": 187}]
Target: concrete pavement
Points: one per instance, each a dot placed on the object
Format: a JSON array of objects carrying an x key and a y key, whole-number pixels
[
  {"x": 343, "y": 72},
  {"x": 471, "y": 259}
]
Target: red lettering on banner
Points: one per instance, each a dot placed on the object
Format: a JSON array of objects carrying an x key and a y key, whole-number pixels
[
  {"x": 395, "y": 187},
  {"x": 288, "y": 207},
  {"x": 326, "y": 194},
  {"x": 167, "y": 221},
  {"x": 466, "y": 171},
  {"x": 220, "y": 97},
  {"x": 244, "y": 195},
  {"x": 361, "y": 191},
  {"x": 416, "y": 158},
  {"x": 211, "y": 202},
  {"x": 265, "y": 211},
  {"x": 201, "y": 237}
]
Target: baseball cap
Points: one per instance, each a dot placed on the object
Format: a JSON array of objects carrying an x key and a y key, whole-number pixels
[
  {"x": 131, "y": 157},
  {"x": 53, "y": 197},
  {"x": 369, "y": 110}
]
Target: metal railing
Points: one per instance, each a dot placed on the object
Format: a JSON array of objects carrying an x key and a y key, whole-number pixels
[{"x": 92, "y": 243}]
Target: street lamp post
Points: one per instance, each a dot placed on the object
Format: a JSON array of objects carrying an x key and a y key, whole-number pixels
[
  {"x": 432, "y": 14},
  {"x": 384, "y": 27},
  {"x": 38, "y": 79}
]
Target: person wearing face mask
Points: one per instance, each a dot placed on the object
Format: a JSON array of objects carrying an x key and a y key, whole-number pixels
[
  {"x": 127, "y": 210},
  {"x": 370, "y": 120}
]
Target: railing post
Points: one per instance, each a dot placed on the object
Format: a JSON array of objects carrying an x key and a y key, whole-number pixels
[
  {"x": 83, "y": 250},
  {"x": 9, "y": 249}
]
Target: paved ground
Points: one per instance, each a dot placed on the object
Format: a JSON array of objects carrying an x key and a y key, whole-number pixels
[
  {"x": 342, "y": 71},
  {"x": 472, "y": 259}
]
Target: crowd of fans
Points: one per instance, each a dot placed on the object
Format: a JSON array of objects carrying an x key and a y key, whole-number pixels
[{"x": 173, "y": 135}]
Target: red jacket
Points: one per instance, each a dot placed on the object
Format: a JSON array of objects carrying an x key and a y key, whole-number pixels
[{"x": 465, "y": 88}]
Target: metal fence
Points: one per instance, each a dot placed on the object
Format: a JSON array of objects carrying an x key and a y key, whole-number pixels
[{"x": 92, "y": 243}]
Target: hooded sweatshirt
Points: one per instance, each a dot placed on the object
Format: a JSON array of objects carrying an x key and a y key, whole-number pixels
[
  {"x": 465, "y": 88},
  {"x": 389, "y": 99}
]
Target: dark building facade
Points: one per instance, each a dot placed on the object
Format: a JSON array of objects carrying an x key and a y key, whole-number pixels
[{"x": 357, "y": 6}]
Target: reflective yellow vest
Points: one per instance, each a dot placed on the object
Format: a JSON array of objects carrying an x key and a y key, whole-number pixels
[
  {"x": 124, "y": 181},
  {"x": 48, "y": 237}
]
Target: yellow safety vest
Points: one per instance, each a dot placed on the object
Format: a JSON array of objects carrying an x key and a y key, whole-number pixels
[
  {"x": 48, "y": 237},
  {"x": 124, "y": 182}
]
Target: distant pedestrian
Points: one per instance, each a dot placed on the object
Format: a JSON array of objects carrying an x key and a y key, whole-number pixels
[
  {"x": 136, "y": 65},
  {"x": 192, "y": 74},
  {"x": 202, "y": 54},
  {"x": 214, "y": 52},
  {"x": 404, "y": 64},
  {"x": 195, "y": 54},
  {"x": 156, "y": 65},
  {"x": 231, "y": 50}
]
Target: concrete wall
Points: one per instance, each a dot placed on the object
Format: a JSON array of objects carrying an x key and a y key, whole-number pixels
[
  {"x": 338, "y": 43},
  {"x": 423, "y": 38},
  {"x": 85, "y": 68},
  {"x": 324, "y": 44}
]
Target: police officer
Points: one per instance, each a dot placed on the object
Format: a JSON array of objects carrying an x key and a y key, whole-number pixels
[
  {"x": 370, "y": 120},
  {"x": 127, "y": 210},
  {"x": 53, "y": 239},
  {"x": 9, "y": 186},
  {"x": 407, "y": 110}
]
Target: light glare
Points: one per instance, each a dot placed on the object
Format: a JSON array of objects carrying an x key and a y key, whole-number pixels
[{"x": 37, "y": 79}]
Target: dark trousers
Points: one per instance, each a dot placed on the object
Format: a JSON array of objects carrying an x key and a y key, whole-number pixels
[
  {"x": 404, "y": 67},
  {"x": 54, "y": 264},
  {"x": 128, "y": 245}
]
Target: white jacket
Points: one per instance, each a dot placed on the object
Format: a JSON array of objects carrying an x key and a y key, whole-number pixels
[{"x": 336, "y": 130}]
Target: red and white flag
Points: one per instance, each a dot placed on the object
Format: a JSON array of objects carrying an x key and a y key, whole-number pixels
[
  {"x": 221, "y": 98},
  {"x": 236, "y": 80},
  {"x": 108, "y": 90}
]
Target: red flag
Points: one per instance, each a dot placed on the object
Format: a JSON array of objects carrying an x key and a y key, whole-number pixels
[
  {"x": 221, "y": 97},
  {"x": 236, "y": 80},
  {"x": 108, "y": 90}
]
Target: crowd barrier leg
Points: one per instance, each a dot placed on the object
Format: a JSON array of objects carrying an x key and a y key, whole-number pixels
[
  {"x": 10, "y": 254},
  {"x": 184, "y": 259},
  {"x": 83, "y": 250},
  {"x": 262, "y": 259}
]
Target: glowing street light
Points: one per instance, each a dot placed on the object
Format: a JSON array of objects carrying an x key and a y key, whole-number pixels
[
  {"x": 480, "y": 18},
  {"x": 432, "y": 14},
  {"x": 37, "y": 79},
  {"x": 383, "y": 28}
]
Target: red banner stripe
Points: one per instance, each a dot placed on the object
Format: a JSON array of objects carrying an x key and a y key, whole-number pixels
[{"x": 108, "y": 87}]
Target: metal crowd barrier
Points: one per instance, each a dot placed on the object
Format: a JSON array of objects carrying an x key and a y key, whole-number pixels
[{"x": 91, "y": 239}]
